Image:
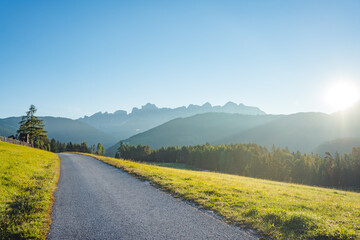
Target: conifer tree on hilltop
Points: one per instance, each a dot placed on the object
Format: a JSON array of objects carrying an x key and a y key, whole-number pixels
[{"x": 34, "y": 127}]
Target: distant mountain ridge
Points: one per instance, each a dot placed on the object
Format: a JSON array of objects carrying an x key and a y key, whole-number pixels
[
  {"x": 122, "y": 125},
  {"x": 300, "y": 131},
  {"x": 109, "y": 128},
  {"x": 231, "y": 123},
  {"x": 198, "y": 129}
]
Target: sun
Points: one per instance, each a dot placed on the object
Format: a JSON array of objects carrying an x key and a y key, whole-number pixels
[{"x": 341, "y": 95}]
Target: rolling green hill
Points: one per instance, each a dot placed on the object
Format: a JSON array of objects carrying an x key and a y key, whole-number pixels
[{"x": 63, "y": 130}]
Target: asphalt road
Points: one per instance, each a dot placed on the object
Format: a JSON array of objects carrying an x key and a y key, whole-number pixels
[{"x": 98, "y": 201}]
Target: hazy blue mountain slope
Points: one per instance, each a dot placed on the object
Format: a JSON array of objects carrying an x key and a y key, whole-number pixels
[
  {"x": 348, "y": 121},
  {"x": 303, "y": 131},
  {"x": 348, "y": 128},
  {"x": 198, "y": 129},
  {"x": 5, "y": 131},
  {"x": 340, "y": 145},
  {"x": 300, "y": 131},
  {"x": 63, "y": 130},
  {"x": 8, "y": 126},
  {"x": 123, "y": 125}
]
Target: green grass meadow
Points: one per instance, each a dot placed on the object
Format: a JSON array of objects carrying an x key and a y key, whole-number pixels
[
  {"x": 28, "y": 179},
  {"x": 175, "y": 165},
  {"x": 276, "y": 210}
]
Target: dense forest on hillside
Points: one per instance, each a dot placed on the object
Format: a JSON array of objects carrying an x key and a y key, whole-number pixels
[{"x": 257, "y": 161}]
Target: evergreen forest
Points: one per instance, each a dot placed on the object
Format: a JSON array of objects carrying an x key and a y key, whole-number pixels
[{"x": 256, "y": 161}]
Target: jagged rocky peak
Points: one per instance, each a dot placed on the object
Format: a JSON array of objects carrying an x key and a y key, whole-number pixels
[
  {"x": 207, "y": 105},
  {"x": 120, "y": 112},
  {"x": 230, "y": 105},
  {"x": 95, "y": 115},
  {"x": 193, "y": 106},
  {"x": 135, "y": 110},
  {"x": 149, "y": 106}
]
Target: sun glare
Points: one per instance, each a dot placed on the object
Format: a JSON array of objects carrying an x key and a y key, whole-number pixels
[{"x": 341, "y": 95}]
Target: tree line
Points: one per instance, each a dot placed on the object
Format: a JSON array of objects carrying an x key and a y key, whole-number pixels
[
  {"x": 56, "y": 147},
  {"x": 252, "y": 160}
]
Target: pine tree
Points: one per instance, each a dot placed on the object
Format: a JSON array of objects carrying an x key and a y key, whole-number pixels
[
  {"x": 103, "y": 152},
  {"x": 54, "y": 146},
  {"x": 93, "y": 149},
  {"x": 100, "y": 150},
  {"x": 32, "y": 125},
  {"x": 84, "y": 148}
]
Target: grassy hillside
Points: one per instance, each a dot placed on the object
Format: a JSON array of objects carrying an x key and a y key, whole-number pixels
[
  {"x": 63, "y": 130},
  {"x": 278, "y": 210},
  {"x": 198, "y": 129},
  {"x": 28, "y": 179}
]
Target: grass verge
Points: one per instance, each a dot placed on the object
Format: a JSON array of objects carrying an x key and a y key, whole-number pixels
[
  {"x": 28, "y": 180},
  {"x": 275, "y": 209}
]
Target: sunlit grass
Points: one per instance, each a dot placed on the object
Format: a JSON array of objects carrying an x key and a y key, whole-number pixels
[
  {"x": 276, "y": 209},
  {"x": 174, "y": 165},
  {"x": 28, "y": 179}
]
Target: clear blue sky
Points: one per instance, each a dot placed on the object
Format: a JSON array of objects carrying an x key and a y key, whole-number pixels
[{"x": 75, "y": 58}]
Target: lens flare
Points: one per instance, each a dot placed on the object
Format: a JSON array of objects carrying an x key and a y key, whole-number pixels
[{"x": 341, "y": 95}]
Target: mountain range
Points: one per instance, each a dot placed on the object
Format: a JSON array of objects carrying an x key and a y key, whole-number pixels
[
  {"x": 306, "y": 132},
  {"x": 198, "y": 129},
  {"x": 122, "y": 125},
  {"x": 108, "y": 128},
  {"x": 231, "y": 123}
]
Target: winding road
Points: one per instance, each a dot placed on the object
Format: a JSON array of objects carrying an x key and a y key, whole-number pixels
[{"x": 97, "y": 201}]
